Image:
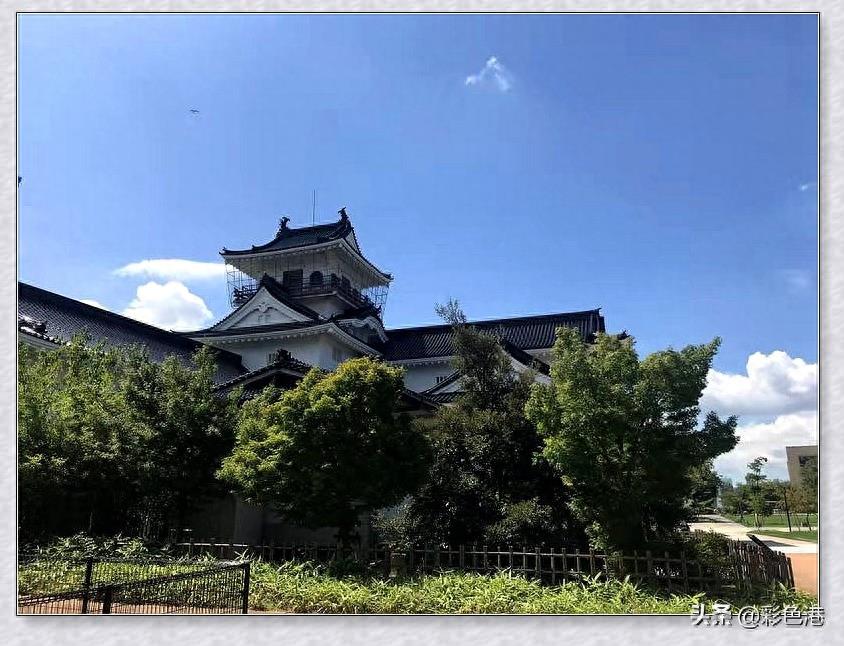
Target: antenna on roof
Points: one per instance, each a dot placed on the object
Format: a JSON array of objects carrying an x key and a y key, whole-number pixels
[{"x": 313, "y": 207}]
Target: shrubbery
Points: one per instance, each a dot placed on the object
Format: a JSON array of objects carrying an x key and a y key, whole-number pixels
[{"x": 306, "y": 588}]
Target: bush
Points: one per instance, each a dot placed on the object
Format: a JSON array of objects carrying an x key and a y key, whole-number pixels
[
  {"x": 309, "y": 588},
  {"x": 81, "y": 546}
]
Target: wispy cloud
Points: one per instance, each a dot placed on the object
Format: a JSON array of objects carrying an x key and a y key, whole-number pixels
[
  {"x": 797, "y": 280},
  {"x": 807, "y": 186},
  {"x": 494, "y": 74},
  {"x": 173, "y": 269},
  {"x": 170, "y": 306}
]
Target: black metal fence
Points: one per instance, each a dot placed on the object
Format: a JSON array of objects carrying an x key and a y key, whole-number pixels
[{"x": 132, "y": 586}]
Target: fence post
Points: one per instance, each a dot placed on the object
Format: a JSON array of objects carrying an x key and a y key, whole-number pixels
[
  {"x": 538, "y": 563},
  {"x": 107, "y": 595},
  {"x": 462, "y": 556},
  {"x": 86, "y": 586},
  {"x": 245, "y": 603},
  {"x": 668, "y": 570},
  {"x": 650, "y": 565},
  {"x": 685, "y": 569}
]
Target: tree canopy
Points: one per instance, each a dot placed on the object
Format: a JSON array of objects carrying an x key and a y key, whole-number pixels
[
  {"x": 330, "y": 448},
  {"x": 484, "y": 484},
  {"x": 110, "y": 441},
  {"x": 623, "y": 433}
]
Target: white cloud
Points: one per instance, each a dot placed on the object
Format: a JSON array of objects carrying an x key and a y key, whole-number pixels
[
  {"x": 170, "y": 306},
  {"x": 768, "y": 439},
  {"x": 805, "y": 187},
  {"x": 492, "y": 73},
  {"x": 93, "y": 303},
  {"x": 775, "y": 384},
  {"x": 173, "y": 269},
  {"x": 797, "y": 280}
]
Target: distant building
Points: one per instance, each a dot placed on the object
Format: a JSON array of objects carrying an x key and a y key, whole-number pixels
[{"x": 797, "y": 458}]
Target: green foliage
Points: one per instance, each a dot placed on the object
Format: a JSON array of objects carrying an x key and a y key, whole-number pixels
[
  {"x": 484, "y": 481},
  {"x": 809, "y": 482},
  {"x": 705, "y": 483},
  {"x": 306, "y": 588},
  {"x": 329, "y": 448},
  {"x": 110, "y": 441},
  {"x": 623, "y": 433}
]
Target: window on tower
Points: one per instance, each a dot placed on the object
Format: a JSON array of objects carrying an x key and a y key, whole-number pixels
[
  {"x": 292, "y": 280},
  {"x": 315, "y": 279}
]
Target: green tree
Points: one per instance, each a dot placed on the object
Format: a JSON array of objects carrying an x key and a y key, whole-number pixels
[
  {"x": 330, "y": 449},
  {"x": 755, "y": 479},
  {"x": 735, "y": 501},
  {"x": 705, "y": 484},
  {"x": 73, "y": 438},
  {"x": 109, "y": 441},
  {"x": 809, "y": 478},
  {"x": 624, "y": 435},
  {"x": 484, "y": 484},
  {"x": 190, "y": 429}
]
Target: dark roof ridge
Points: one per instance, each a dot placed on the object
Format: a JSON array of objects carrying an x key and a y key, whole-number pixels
[
  {"x": 64, "y": 316},
  {"x": 99, "y": 311},
  {"x": 509, "y": 319},
  {"x": 338, "y": 229}
]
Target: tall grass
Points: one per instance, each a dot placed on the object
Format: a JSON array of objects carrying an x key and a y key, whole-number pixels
[{"x": 306, "y": 588}]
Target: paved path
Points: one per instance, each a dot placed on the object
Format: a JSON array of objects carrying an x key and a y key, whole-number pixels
[{"x": 803, "y": 554}]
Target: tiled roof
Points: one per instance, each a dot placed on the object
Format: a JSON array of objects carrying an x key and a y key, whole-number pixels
[
  {"x": 443, "y": 398},
  {"x": 302, "y": 237},
  {"x": 525, "y": 358},
  {"x": 305, "y": 236},
  {"x": 284, "y": 363},
  {"x": 525, "y": 333},
  {"x": 60, "y": 317},
  {"x": 271, "y": 327}
]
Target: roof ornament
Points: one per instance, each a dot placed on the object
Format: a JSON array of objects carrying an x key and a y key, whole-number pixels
[
  {"x": 282, "y": 224},
  {"x": 343, "y": 215}
]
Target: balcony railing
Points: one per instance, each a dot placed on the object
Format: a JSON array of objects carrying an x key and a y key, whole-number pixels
[{"x": 330, "y": 286}]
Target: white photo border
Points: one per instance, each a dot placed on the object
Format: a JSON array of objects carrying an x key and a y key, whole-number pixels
[{"x": 488, "y": 630}]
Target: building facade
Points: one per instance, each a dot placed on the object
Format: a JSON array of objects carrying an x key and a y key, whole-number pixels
[{"x": 312, "y": 294}]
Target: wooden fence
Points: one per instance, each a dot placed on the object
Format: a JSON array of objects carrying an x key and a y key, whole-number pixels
[{"x": 745, "y": 566}]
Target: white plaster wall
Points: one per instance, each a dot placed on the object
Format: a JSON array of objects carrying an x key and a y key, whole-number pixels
[
  {"x": 326, "y": 306},
  {"x": 315, "y": 350},
  {"x": 422, "y": 377}
]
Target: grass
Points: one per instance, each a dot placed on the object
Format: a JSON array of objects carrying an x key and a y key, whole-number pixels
[
  {"x": 52, "y": 576},
  {"x": 805, "y": 535},
  {"x": 304, "y": 588},
  {"x": 335, "y": 589},
  {"x": 776, "y": 520}
]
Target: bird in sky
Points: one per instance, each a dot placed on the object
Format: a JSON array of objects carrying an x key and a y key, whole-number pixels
[{"x": 194, "y": 111}]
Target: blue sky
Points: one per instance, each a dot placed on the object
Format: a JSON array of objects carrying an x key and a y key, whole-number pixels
[{"x": 660, "y": 167}]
